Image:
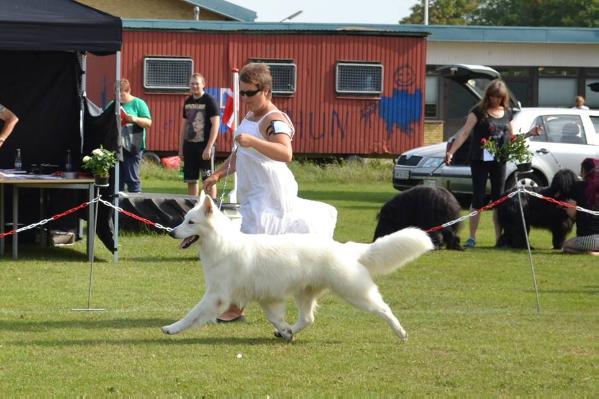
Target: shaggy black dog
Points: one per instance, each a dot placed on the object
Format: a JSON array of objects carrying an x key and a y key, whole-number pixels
[
  {"x": 422, "y": 207},
  {"x": 537, "y": 212}
]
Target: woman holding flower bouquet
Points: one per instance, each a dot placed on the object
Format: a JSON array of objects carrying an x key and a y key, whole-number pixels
[{"x": 488, "y": 125}]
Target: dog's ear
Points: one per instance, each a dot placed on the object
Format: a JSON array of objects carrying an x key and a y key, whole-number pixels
[{"x": 208, "y": 205}]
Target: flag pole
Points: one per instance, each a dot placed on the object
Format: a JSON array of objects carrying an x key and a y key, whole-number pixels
[{"x": 233, "y": 192}]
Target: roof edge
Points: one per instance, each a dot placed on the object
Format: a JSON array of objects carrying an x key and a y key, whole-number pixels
[{"x": 271, "y": 27}]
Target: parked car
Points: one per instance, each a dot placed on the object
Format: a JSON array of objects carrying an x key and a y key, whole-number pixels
[{"x": 569, "y": 136}]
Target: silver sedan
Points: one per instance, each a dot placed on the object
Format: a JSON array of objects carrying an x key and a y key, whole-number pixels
[{"x": 569, "y": 136}]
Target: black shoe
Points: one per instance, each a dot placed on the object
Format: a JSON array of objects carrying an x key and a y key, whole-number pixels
[{"x": 240, "y": 318}]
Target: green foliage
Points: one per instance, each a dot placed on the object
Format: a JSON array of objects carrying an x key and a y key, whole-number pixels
[
  {"x": 443, "y": 12},
  {"x": 100, "y": 161},
  {"x": 579, "y": 13},
  {"x": 343, "y": 171},
  {"x": 471, "y": 316},
  {"x": 515, "y": 150}
]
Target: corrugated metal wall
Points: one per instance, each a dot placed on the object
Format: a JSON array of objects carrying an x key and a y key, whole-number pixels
[{"x": 325, "y": 122}]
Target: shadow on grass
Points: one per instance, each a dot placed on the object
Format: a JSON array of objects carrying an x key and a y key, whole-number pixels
[
  {"x": 165, "y": 341},
  {"x": 33, "y": 325},
  {"x": 589, "y": 289},
  {"x": 63, "y": 254},
  {"x": 193, "y": 256}
]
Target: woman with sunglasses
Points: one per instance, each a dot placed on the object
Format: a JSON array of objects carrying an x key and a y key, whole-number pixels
[{"x": 266, "y": 188}]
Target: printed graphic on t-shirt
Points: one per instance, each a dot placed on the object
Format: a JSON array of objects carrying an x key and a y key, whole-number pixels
[
  {"x": 498, "y": 131},
  {"x": 195, "y": 122}
]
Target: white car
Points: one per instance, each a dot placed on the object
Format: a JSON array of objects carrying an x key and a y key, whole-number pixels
[{"x": 569, "y": 136}]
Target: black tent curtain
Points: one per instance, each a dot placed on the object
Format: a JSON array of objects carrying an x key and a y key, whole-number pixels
[
  {"x": 57, "y": 25},
  {"x": 40, "y": 74}
]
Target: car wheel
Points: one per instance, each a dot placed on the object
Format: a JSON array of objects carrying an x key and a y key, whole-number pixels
[{"x": 532, "y": 179}]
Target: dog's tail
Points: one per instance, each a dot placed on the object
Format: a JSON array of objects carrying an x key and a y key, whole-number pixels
[{"x": 390, "y": 252}]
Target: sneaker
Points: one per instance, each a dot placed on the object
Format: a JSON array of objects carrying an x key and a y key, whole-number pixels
[{"x": 470, "y": 243}]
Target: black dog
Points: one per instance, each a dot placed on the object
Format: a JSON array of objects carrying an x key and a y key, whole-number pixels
[
  {"x": 422, "y": 207},
  {"x": 537, "y": 212}
]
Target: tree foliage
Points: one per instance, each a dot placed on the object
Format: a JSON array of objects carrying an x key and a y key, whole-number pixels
[
  {"x": 578, "y": 13},
  {"x": 443, "y": 12}
]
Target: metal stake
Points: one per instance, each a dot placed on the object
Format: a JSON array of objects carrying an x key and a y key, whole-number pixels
[
  {"x": 91, "y": 260},
  {"x": 532, "y": 266}
]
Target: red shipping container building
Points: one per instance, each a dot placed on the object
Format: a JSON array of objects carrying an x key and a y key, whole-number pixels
[{"x": 348, "y": 90}]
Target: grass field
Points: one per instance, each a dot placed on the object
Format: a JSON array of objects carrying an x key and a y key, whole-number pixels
[{"x": 474, "y": 330}]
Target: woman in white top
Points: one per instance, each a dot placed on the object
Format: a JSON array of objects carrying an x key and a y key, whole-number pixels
[{"x": 266, "y": 188}]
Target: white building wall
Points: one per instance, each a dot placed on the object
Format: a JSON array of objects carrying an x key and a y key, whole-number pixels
[{"x": 513, "y": 54}]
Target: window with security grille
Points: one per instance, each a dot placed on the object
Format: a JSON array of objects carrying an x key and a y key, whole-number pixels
[
  {"x": 167, "y": 73},
  {"x": 283, "y": 76},
  {"x": 359, "y": 78}
]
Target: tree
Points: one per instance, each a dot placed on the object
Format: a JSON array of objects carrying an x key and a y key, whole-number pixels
[
  {"x": 580, "y": 13},
  {"x": 444, "y": 12}
]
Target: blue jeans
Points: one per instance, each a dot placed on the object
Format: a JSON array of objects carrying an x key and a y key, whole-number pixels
[{"x": 130, "y": 172}]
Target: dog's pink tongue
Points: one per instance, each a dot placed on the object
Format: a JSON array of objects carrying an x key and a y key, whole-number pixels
[{"x": 188, "y": 241}]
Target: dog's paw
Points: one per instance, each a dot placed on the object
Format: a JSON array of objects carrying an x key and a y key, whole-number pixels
[
  {"x": 286, "y": 335},
  {"x": 404, "y": 337},
  {"x": 169, "y": 330}
]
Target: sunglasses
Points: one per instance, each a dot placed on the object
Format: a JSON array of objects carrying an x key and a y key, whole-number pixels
[{"x": 248, "y": 93}]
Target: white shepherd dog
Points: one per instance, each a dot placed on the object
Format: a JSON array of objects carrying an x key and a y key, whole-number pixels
[{"x": 240, "y": 268}]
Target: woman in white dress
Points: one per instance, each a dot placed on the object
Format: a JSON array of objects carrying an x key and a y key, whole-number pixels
[{"x": 266, "y": 188}]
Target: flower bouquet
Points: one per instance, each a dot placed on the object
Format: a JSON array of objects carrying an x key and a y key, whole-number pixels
[
  {"x": 516, "y": 149},
  {"x": 99, "y": 164}
]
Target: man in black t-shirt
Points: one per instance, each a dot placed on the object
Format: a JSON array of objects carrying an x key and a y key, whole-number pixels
[{"x": 199, "y": 130}]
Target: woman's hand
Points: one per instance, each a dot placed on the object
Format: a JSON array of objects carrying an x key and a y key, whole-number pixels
[
  {"x": 535, "y": 131},
  {"x": 448, "y": 158},
  {"x": 245, "y": 140},
  {"x": 210, "y": 181}
]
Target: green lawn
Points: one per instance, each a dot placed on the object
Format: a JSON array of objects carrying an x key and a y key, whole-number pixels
[{"x": 471, "y": 316}]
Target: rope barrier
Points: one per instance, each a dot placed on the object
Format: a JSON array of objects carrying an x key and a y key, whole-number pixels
[
  {"x": 50, "y": 219},
  {"x": 169, "y": 229},
  {"x": 505, "y": 198}
]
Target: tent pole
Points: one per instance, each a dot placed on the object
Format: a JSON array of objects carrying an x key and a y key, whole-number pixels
[{"x": 117, "y": 99}]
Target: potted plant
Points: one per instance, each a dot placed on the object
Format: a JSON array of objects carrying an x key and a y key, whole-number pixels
[
  {"x": 99, "y": 164},
  {"x": 515, "y": 150}
]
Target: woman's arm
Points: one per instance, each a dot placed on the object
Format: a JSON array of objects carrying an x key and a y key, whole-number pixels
[
  {"x": 146, "y": 123},
  {"x": 534, "y": 131},
  {"x": 225, "y": 169},
  {"x": 276, "y": 146},
  {"x": 571, "y": 212},
  {"x": 463, "y": 134},
  {"x": 277, "y": 132},
  {"x": 10, "y": 121}
]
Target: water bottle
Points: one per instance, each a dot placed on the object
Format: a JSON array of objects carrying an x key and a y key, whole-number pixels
[
  {"x": 68, "y": 166},
  {"x": 18, "y": 162}
]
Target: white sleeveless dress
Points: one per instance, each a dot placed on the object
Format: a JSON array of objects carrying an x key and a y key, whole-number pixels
[{"x": 267, "y": 194}]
